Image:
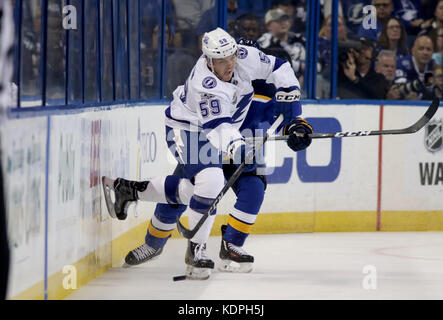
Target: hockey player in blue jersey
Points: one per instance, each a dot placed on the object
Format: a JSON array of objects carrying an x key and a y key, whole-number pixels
[{"x": 215, "y": 101}]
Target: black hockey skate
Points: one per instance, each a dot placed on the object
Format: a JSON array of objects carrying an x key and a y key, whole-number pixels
[
  {"x": 141, "y": 254},
  {"x": 234, "y": 258},
  {"x": 198, "y": 264},
  {"x": 125, "y": 192}
]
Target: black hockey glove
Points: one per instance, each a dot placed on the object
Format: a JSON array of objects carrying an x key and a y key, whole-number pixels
[{"x": 296, "y": 143}]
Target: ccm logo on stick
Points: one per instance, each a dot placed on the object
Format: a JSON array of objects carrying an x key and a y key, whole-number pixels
[{"x": 352, "y": 134}]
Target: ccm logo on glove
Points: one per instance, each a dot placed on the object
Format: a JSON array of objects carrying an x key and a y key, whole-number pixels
[{"x": 291, "y": 96}]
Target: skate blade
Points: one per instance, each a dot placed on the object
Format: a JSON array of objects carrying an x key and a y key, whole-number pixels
[
  {"x": 235, "y": 267},
  {"x": 108, "y": 186},
  {"x": 193, "y": 273}
]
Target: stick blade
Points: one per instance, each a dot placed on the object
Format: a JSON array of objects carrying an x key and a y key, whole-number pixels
[{"x": 432, "y": 109}]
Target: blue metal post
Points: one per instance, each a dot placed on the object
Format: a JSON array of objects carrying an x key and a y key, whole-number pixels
[
  {"x": 68, "y": 33},
  {"x": 114, "y": 82},
  {"x": 44, "y": 49},
  {"x": 18, "y": 55},
  {"x": 222, "y": 14},
  {"x": 83, "y": 50},
  {"x": 99, "y": 49},
  {"x": 139, "y": 52},
  {"x": 314, "y": 56},
  {"x": 163, "y": 51},
  {"x": 334, "y": 50},
  {"x": 311, "y": 63},
  {"x": 128, "y": 41}
]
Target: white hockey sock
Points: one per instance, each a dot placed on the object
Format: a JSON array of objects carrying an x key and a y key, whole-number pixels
[
  {"x": 155, "y": 192},
  {"x": 208, "y": 184},
  {"x": 202, "y": 234}
]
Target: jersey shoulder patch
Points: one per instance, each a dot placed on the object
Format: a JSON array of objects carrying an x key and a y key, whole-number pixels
[
  {"x": 209, "y": 83},
  {"x": 242, "y": 53}
]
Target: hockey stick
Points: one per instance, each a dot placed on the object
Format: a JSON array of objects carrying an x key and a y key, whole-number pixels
[
  {"x": 188, "y": 234},
  {"x": 432, "y": 109}
]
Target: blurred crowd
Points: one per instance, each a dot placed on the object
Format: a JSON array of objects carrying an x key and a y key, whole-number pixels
[
  {"x": 401, "y": 58},
  {"x": 396, "y": 54},
  {"x": 392, "y": 52}
]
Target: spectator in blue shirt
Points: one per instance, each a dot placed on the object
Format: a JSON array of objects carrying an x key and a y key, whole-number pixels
[
  {"x": 393, "y": 37},
  {"x": 437, "y": 19},
  {"x": 437, "y": 40},
  {"x": 416, "y": 66},
  {"x": 430, "y": 27},
  {"x": 384, "y": 10},
  {"x": 410, "y": 12}
]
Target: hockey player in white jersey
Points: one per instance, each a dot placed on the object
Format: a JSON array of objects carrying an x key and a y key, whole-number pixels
[{"x": 212, "y": 104}]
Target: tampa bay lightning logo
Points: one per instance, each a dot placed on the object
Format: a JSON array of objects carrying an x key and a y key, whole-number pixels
[
  {"x": 355, "y": 13},
  {"x": 209, "y": 82},
  {"x": 406, "y": 64},
  {"x": 242, "y": 53}
]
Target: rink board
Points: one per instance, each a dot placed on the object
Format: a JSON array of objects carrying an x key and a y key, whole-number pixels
[{"x": 61, "y": 235}]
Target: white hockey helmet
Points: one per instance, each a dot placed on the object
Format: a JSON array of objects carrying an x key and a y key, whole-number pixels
[{"x": 218, "y": 44}]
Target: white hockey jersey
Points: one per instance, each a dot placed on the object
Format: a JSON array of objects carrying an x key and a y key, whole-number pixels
[{"x": 219, "y": 108}]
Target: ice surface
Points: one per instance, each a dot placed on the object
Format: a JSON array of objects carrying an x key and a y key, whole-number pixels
[{"x": 408, "y": 265}]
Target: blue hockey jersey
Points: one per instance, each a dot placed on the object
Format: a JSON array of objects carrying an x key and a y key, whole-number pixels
[{"x": 407, "y": 70}]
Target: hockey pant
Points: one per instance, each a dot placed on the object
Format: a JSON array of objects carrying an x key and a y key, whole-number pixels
[{"x": 196, "y": 182}]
